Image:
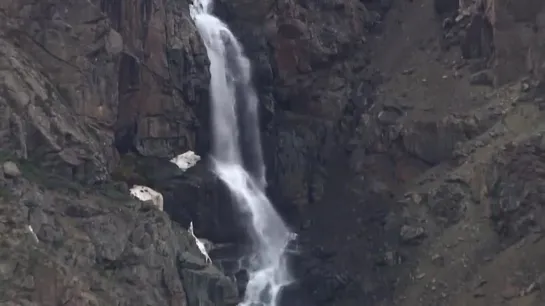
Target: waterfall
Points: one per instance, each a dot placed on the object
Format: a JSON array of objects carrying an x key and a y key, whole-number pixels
[{"x": 237, "y": 156}]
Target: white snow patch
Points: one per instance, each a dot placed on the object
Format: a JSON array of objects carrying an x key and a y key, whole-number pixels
[
  {"x": 144, "y": 193},
  {"x": 200, "y": 244},
  {"x": 186, "y": 160},
  {"x": 29, "y": 227}
]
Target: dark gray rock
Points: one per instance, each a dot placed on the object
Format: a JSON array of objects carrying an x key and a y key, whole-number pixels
[
  {"x": 434, "y": 141},
  {"x": 195, "y": 195},
  {"x": 477, "y": 41},
  {"x": 516, "y": 189},
  {"x": 446, "y": 6},
  {"x": 448, "y": 202},
  {"x": 483, "y": 78},
  {"x": 100, "y": 248},
  {"x": 412, "y": 234}
]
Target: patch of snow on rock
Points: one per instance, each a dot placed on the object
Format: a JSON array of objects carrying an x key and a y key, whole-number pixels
[
  {"x": 186, "y": 160},
  {"x": 200, "y": 244},
  {"x": 144, "y": 193},
  {"x": 31, "y": 230}
]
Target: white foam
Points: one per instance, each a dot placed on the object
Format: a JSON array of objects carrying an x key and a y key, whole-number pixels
[
  {"x": 144, "y": 193},
  {"x": 186, "y": 160}
]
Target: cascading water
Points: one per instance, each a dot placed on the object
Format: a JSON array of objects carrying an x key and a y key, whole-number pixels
[{"x": 237, "y": 156}]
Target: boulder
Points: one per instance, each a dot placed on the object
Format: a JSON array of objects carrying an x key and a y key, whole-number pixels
[{"x": 11, "y": 169}]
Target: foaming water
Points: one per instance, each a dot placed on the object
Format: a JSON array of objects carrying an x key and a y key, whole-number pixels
[{"x": 237, "y": 155}]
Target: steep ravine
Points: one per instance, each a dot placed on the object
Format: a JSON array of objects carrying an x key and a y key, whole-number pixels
[{"x": 404, "y": 141}]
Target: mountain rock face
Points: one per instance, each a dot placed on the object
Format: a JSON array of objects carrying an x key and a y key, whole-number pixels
[
  {"x": 63, "y": 243},
  {"x": 403, "y": 141}
]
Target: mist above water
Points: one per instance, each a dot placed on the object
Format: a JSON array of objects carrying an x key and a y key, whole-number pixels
[{"x": 237, "y": 154}]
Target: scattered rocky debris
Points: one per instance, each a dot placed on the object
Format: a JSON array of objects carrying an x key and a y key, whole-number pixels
[{"x": 411, "y": 234}]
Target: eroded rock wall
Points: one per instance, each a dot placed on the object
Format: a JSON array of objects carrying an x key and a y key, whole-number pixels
[
  {"x": 129, "y": 75},
  {"x": 511, "y": 31}
]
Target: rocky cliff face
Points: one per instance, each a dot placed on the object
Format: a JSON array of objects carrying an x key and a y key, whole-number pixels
[
  {"x": 403, "y": 140},
  {"x": 64, "y": 243}
]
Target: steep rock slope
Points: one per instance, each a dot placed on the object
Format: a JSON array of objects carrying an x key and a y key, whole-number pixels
[
  {"x": 72, "y": 86},
  {"x": 438, "y": 200},
  {"x": 116, "y": 73},
  {"x": 131, "y": 76},
  {"x": 96, "y": 247}
]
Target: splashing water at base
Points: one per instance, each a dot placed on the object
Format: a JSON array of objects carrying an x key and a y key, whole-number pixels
[{"x": 237, "y": 156}]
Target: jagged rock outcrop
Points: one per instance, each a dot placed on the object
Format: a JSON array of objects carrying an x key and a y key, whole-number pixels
[
  {"x": 194, "y": 195},
  {"x": 509, "y": 34},
  {"x": 116, "y": 73},
  {"x": 38, "y": 124},
  {"x": 97, "y": 247}
]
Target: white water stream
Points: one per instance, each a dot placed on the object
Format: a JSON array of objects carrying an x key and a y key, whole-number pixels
[{"x": 237, "y": 156}]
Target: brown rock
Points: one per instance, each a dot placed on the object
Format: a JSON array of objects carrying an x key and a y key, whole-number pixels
[
  {"x": 110, "y": 70},
  {"x": 292, "y": 29},
  {"x": 38, "y": 125}
]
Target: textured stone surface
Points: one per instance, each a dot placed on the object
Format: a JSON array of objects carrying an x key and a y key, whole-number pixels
[
  {"x": 408, "y": 181},
  {"x": 109, "y": 69},
  {"x": 97, "y": 247},
  {"x": 512, "y": 31}
]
